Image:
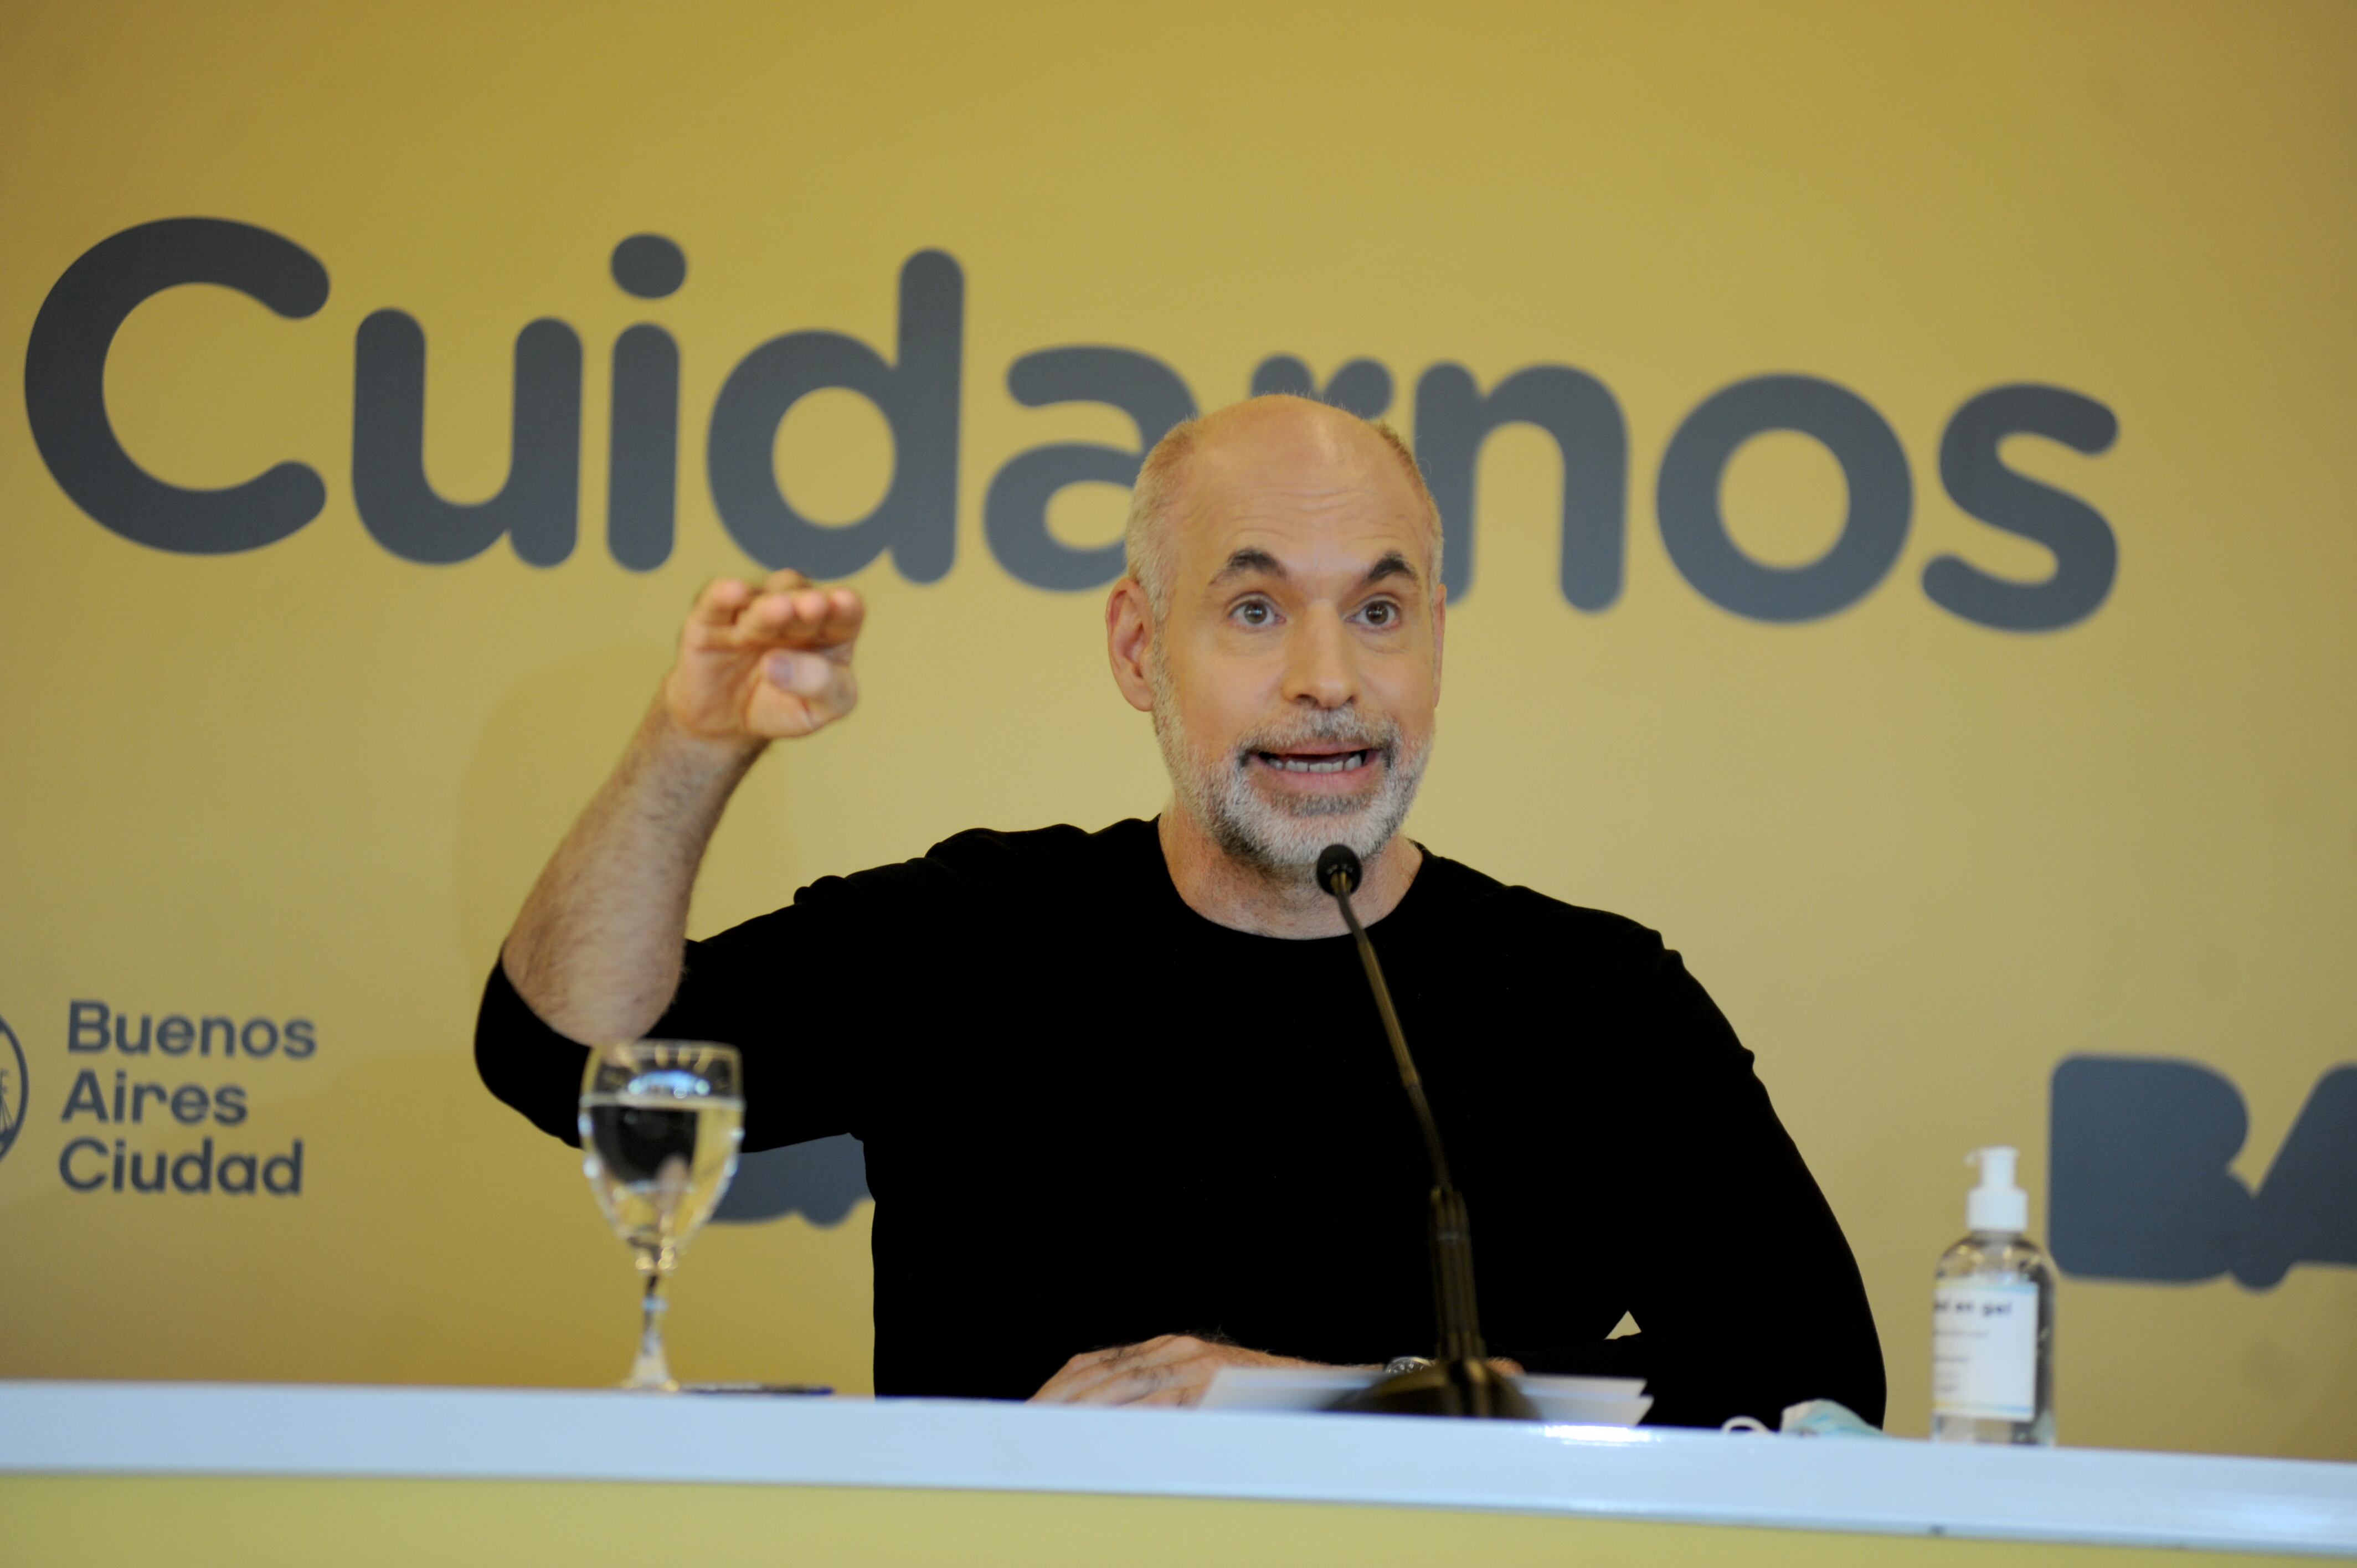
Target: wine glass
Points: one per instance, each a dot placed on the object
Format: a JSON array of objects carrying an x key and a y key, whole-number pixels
[{"x": 661, "y": 1120}]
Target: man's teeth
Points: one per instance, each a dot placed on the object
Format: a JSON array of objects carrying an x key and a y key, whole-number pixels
[{"x": 1341, "y": 762}]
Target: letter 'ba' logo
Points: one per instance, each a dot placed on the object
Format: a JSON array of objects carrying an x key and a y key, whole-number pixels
[{"x": 12, "y": 1088}]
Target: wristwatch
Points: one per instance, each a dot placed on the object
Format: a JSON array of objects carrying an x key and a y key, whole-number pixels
[{"x": 1398, "y": 1364}]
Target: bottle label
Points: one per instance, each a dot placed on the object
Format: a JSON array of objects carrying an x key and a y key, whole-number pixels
[{"x": 1984, "y": 1349}]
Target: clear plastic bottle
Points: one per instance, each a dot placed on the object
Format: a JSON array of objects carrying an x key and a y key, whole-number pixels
[{"x": 1993, "y": 1321}]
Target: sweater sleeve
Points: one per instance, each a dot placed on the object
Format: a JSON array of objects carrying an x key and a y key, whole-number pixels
[
  {"x": 816, "y": 996},
  {"x": 1746, "y": 1296},
  {"x": 533, "y": 1069}
]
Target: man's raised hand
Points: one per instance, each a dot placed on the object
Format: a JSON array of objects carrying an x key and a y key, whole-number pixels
[
  {"x": 595, "y": 951},
  {"x": 767, "y": 662}
]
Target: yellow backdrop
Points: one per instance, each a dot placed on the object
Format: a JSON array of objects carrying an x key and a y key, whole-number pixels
[{"x": 1918, "y": 861}]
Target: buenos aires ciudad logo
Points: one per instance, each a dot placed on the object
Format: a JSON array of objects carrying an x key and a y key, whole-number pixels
[{"x": 12, "y": 1088}]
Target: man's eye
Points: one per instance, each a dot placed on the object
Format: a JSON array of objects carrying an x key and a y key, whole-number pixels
[
  {"x": 1381, "y": 613},
  {"x": 1254, "y": 612}
]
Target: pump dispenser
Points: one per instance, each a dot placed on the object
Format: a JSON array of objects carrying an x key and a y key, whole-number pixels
[
  {"x": 1993, "y": 1320},
  {"x": 1997, "y": 1206}
]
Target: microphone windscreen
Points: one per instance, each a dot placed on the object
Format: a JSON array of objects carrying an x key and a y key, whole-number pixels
[{"x": 1337, "y": 860}]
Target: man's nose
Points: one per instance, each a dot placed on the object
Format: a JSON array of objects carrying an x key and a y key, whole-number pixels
[{"x": 1318, "y": 668}]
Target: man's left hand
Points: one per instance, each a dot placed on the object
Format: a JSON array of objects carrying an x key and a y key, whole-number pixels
[{"x": 1168, "y": 1370}]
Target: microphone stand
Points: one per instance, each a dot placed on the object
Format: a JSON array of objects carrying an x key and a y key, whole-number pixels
[{"x": 1459, "y": 1380}]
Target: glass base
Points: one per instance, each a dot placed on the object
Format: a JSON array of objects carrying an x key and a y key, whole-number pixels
[{"x": 1994, "y": 1430}]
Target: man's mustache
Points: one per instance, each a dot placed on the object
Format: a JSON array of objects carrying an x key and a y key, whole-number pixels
[{"x": 1346, "y": 730}]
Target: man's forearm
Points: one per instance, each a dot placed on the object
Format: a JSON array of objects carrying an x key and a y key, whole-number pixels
[{"x": 595, "y": 951}]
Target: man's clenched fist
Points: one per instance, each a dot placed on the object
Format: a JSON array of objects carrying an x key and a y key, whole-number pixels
[{"x": 764, "y": 662}]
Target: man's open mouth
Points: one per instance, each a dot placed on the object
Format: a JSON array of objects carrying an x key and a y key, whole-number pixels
[{"x": 1316, "y": 761}]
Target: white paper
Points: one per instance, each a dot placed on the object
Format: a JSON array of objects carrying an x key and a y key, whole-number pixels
[{"x": 1581, "y": 1402}]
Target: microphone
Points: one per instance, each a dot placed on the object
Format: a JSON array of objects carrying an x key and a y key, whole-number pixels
[{"x": 1459, "y": 1380}]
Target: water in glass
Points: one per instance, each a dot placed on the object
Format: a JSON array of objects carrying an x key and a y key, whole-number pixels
[{"x": 660, "y": 1122}]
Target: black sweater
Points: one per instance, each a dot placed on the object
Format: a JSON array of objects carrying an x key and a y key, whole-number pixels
[{"x": 1092, "y": 1116}]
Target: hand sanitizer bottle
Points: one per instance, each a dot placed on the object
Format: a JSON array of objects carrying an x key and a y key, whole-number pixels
[{"x": 1993, "y": 1321}]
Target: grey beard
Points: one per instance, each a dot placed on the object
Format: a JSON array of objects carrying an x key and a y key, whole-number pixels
[{"x": 1282, "y": 841}]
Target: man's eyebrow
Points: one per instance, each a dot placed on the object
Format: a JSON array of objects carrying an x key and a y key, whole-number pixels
[
  {"x": 1251, "y": 561},
  {"x": 1245, "y": 562}
]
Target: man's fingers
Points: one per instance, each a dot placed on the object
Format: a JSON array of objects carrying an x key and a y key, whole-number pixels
[
  {"x": 1074, "y": 1381},
  {"x": 1109, "y": 1383},
  {"x": 1180, "y": 1382},
  {"x": 1087, "y": 1370},
  {"x": 814, "y": 692},
  {"x": 769, "y": 660},
  {"x": 1171, "y": 1369},
  {"x": 846, "y": 613},
  {"x": 1131, "y": 1385},
  {"x": 803, "y": 674},
  {"x": 1164, "y": 1348},
  {"x": 803, "y": 617},
  {"x": 1160, "y": 1350},
  {"x": 829, "y": 617},
  {"x": 719, "y": 601},
  {"x": 1059, "y": 1389}
]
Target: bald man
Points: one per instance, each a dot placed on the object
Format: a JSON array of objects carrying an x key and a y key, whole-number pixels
[{"x": 1127, "y": 1111}]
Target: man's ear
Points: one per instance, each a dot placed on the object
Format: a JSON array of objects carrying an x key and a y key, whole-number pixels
[{"x": 1129, "y": 642}]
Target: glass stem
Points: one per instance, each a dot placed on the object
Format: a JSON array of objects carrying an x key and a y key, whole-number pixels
[{"x": 652, "y": 1369}]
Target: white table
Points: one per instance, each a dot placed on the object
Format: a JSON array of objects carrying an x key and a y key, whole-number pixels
[{"x": 2062, "y": 1498}]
